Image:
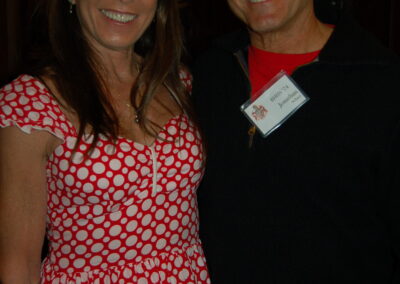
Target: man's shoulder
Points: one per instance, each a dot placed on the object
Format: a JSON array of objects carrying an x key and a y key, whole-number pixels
[{"x": 352, "y": 44}]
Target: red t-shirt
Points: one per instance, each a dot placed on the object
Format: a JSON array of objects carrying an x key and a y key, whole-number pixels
[{"x": 264, "y": 65}]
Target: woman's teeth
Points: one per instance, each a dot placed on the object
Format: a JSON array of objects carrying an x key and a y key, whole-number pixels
[{"x": 123, "y": 18}]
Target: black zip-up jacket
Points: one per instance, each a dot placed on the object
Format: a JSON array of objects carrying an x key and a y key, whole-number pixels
[{"x": 318, "y": 200}]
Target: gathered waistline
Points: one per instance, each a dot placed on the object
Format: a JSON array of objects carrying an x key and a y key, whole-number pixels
[{"x": 158, "y": 264}]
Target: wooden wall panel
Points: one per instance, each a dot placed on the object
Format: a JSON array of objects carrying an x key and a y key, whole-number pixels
[
  {"x": 9, "y": 27},
  {"x": 3, "y": 41},
  {"x": 14, "y": 20}
]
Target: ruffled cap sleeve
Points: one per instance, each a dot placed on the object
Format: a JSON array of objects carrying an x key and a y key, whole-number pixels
[{"x": 27, "y": 104}]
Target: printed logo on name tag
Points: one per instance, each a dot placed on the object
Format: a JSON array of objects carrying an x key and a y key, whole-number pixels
[{"x": 259, "y": 112}]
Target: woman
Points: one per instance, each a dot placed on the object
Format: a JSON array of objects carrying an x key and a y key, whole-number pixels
[{"x": 97, "y": 145}]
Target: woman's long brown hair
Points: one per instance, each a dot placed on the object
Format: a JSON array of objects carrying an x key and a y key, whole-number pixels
[{"x": 76, "y": 71}]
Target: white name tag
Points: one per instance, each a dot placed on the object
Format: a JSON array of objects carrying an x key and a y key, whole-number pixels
[{"x": 279, "y": 100}]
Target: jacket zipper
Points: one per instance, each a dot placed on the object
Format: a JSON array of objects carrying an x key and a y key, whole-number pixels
[{"x": 252, "y": 129}]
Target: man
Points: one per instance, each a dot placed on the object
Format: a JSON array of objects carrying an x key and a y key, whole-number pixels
[{"x": 314, "y": 197}]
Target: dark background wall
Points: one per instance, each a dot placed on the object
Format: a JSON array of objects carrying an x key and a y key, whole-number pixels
[{"x": 203, "y": 19}]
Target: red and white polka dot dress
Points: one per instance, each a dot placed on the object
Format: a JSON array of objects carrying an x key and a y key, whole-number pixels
[{"x": 126, "y": 214}]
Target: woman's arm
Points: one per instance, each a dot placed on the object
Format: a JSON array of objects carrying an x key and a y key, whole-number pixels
[{"x": 23, "y": 197}]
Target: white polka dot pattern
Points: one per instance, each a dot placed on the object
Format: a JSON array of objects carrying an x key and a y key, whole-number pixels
[{"x": 126, "y": 214}]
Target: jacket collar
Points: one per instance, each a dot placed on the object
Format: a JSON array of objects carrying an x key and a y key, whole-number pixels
[{"x": 348, "y": 44}]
